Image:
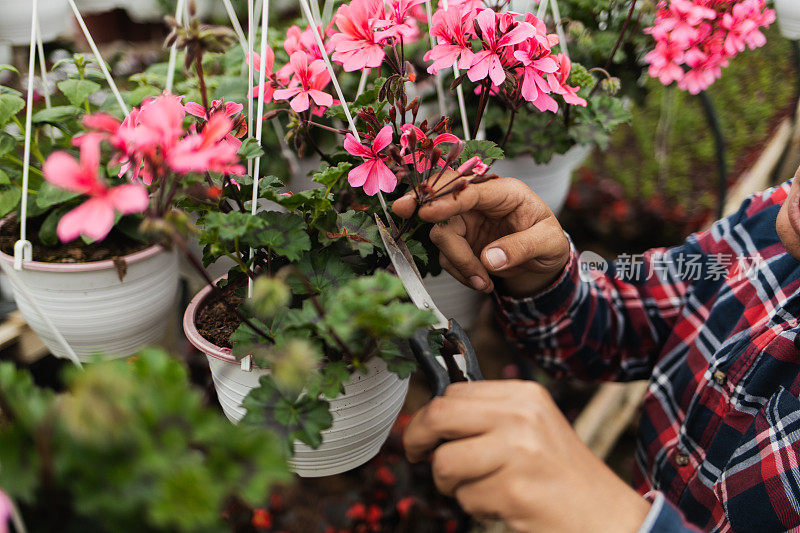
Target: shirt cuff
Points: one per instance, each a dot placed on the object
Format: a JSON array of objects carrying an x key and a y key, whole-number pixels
[
  {"x": 664, "y": 517},
  {"x": 550, "y": 302}
]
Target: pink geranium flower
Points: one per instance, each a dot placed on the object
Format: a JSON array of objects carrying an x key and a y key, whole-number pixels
[
  {"x": 489, "y": 61},
  {"x": 420, "y": 157},
  {"x": 6, "y": 511},
  {"x": 398, "y": 22},
  {"x": 301, "y": 41},
  {"x": 473, "y": 165},
  {"x": 355, "y": 45},
  {"x": 559, "y": 82},
  {"x": 373, "y": 174},
  {"x": 266, "y": 65},
  {"x": 451, "y": 28},
  {"x": 95, "y": 217},
  {"x": 207, "y": 151},
  {"x": 230, "y": 110},
  {"x": 307, "y": 84}
]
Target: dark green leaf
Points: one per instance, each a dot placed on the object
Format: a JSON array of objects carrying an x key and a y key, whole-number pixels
[
  {"x": 7, "y": 143},
  {"x": 47, "y": 232},
  {"x": 250, "y": 149},
  {"x": 284, "y": 234},
  {"x": 486, "y": 150}
]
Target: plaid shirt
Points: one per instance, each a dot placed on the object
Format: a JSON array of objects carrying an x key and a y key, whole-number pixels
[{"x": 713, "y": 324}]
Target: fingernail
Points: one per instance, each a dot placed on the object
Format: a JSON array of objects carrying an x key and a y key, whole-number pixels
[
  {"x": 497, "y": 258},
  {"x": 477, "y": 283}
]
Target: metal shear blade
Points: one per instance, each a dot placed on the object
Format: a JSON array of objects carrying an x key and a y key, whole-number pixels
[{"x": 408, "y": 274}]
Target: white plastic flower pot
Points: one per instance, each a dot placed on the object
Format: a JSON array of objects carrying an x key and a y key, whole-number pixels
[
  {"x": 549, "y": 180},
  {"x": 153, "y": 11},
  {"x": 15, "y": 22},
  {"x": 788, "y": 15},
  {"x": 88, "y": 7},
  {"x": 454, "y": 299},
  {"x": 362, "y": 416},
  {"x": 98, "y": 315}
]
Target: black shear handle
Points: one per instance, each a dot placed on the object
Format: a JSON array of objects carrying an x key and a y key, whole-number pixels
[{"x": 440, "y": 377}]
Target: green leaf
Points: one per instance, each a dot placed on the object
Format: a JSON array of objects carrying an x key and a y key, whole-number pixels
[
  {"x": 56, "y": 115},
  {"x": 250, "y": 149},
  {"x": 47, "y": 232},
  {"x": 7, "y": 143},
  {"x": 10, "y": 105},
  {"x": 10, "y": 68},
  {"x": 323, "y": 271},
  {"x": 78, "y": 91},
  {"x": 358, "y": 230},
  {"x": 136, "y": 96},
  {"x": 9, "y": 200},
  {"x": 49, "y": 196},
  {"x": 285, "y": 234},
  {"x": 333, "y": 177},
  {"x": 486, "y": 150},
  {"x": 330, "y": 380},
  {"x": 4, "y": 179}
]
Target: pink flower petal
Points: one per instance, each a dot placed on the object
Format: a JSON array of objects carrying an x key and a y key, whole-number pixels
[
  {"x": 129, "y": 198},
  {"x": 93, "y": 218},
  {"x": 382, "y": 139},
  {"x": 354, "y": 147}
]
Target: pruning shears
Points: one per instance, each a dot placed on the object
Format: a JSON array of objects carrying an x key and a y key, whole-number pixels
[{"x": 458, "y": 361}]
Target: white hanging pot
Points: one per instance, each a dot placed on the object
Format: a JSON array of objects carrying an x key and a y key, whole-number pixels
[
  {"x": 454, "y": 299},
  {"x": 549, "y": 180},
  {"x": 15, "y": 22},
  {"x": 153, "y": 10},
  {"x": 87, "y": 7},
  {"x": 98, "y": 315},
  {"x": 788, "y": 14},
  {"x": 362, "y": 416}
]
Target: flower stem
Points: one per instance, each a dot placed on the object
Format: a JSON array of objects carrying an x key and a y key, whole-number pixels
[
  {"x": 510, "y": 127},
  {"x": 482, "y": 106},
  {"x": 621, "y": 34},
  {"x": 201, "y": 80}
]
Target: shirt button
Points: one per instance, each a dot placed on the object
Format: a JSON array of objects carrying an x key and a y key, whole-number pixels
[
  {"x": 681, "y": 459},
  {"x": 720, "y": 378}
]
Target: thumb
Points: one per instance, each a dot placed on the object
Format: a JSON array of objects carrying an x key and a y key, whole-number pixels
[{"x": 544, "y": 241}]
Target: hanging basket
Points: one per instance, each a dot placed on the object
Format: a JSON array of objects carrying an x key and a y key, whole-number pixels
[
  {"x": 362, "y": 416},
  {"x": 98, "y": 315},
  {"x": 550, "y": 180},
  {"x": 788, "y": 14},
  {"x": 54, "y": 20}
]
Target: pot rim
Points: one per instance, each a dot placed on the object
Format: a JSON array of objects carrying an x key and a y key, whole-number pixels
[
  {"x": 198, "y": 341},
  {"x": 88, "y": 266}
]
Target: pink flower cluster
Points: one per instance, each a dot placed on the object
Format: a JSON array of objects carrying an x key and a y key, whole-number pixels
[
  {"x": 149, "y": 144},
  {"x": 364, "y": 27},
  {"x": 416, "y": 149},
  {"x": 506, "y": 47},
  {"x": 696, "y": 39},
  {"x": 302, "y": 80}
]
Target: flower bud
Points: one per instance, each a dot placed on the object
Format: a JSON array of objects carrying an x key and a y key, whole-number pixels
[
  {"x": 610, "y": 86},
  {"x": 293, "y": 363},
  {"x": 269, "y": 296}
]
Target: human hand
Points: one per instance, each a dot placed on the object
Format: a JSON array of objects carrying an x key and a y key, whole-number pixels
[
  {"x": 498, "y": 227},
  {"x": 511, "y": 455}
]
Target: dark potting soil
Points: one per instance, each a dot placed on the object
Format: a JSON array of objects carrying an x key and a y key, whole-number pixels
[
  {"x": 216, "y": 321},
  {"x": 115, "y": 245}
]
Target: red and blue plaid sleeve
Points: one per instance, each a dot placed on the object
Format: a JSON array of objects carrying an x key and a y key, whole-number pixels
[
  {"x": 611, "y": 325},
  {"x": 664, "y": 517}
]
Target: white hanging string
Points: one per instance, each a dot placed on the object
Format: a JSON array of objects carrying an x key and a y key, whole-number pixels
[
  {"x": 321, "y": 46},
  {"x": 327, "y": 13},
  {"x": 562, "y": 37},
  {"x": 438, "y": 77},
  {"x": 286, "y": 152},
  {"x": 362, "y": 83},
  {"x": 251, "y": 30},
  {"x": 99, "y": 58},
  {"x": 42, "y": 65},
  {"x": 259, "y": 122},
  {"x": 462, "y": 106},
  {"x": 23, "y": 250},
  {"x": 173, "y": 51}
]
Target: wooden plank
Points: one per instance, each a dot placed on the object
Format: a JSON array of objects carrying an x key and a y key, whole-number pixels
[
  {"x": 608, "y": 414},
  {"x": 19, "y": 340}
]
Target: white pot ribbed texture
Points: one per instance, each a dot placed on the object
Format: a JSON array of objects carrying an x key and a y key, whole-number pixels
[
  {"x": 550, "y": 180},
  {"x": 454, "y": 299},
  {"x": 362, "y": 416},
  {"x": 99, "y": 315},
  {"x": 55, "y": 19},
  {"x": 788, "y": 14}
]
